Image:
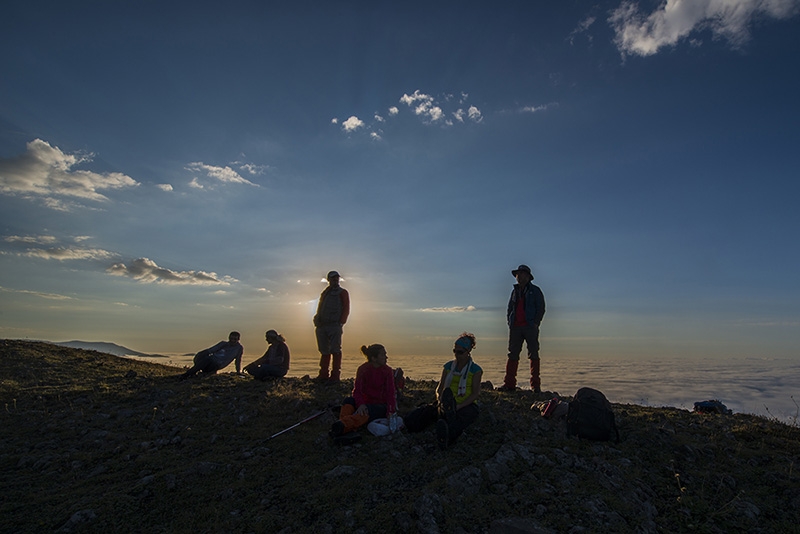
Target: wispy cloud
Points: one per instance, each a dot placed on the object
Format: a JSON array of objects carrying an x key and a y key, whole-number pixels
[
  {"x": 47, "y": 247},
  {"x": 70, "y": 253},
  {"x": 221, "y": 174},
  {"x": 451, "y": 309},
  {"x": 48, "y": 296},
  {"x": 536, "y": 109},
  {"x": 164, "y": 187},
  {"x": 46, "y": 172},
  {"x": 35, "y": 239},
  {"x": 147, "y": 271},
  {"x": 644, "y": 35},
  {"x": 583, "y": 27}
]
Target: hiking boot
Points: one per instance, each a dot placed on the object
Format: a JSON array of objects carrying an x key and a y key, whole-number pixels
[
  {"x": 447, "y": 404},
  {"x": 337, "y": 429},
  {"x": 442, "y": 434},
  {"x": 507, "y": 389}
]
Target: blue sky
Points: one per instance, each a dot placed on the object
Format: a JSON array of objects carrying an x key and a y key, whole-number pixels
[{"x": 170, "y": 172}]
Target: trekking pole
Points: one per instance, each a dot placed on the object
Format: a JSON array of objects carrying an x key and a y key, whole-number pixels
[{"x": 306, "y": 420}]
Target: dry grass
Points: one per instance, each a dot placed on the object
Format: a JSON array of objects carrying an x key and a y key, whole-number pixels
[{"x": 97, "y": 443}]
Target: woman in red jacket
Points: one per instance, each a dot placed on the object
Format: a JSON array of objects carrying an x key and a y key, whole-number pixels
[{"x": 373, "y": 394}]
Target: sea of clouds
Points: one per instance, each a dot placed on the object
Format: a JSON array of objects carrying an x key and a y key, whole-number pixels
[{"x": 768, "y": 387}]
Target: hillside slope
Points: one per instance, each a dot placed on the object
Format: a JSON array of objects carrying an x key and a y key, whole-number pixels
[{"x": 97, "y": 443}]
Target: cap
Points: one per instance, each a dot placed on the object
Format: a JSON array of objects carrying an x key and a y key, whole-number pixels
[
  {"x": 272, "y": 333},
  {"x": 332, "y": 274}
]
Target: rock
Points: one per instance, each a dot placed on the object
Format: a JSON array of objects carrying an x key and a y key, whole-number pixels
[
  {"x": 517, "y": 525},
  {"x": 340, "y": 471},
  {"x": 467, "y": 481},
  {"x": 78, "y": 518}
]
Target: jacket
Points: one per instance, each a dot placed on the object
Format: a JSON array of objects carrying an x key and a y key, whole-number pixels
[{"x": 534, "y": 304}]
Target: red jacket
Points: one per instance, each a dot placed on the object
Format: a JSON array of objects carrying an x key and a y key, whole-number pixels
[{"x": 375, "y": 385}]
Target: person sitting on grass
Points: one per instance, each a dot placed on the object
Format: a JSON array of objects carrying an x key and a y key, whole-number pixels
[
  {"x": 373, "y": 393},
  {"x": 274, "y": 362},
  {"x": 458, "y": 389},
  {"x": 212, "y": 359}
]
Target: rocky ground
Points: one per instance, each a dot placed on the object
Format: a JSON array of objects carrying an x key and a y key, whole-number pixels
[{"x": 97, "y": 443}]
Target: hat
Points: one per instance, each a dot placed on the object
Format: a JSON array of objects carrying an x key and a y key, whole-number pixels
[
  {"x": 332, "y": 274},
  {"x": 523, "y": 268},
  {"x": 272, "y": 333}
]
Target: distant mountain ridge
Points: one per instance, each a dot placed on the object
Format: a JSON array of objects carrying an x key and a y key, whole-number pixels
[{"x": 101, "y": 346}]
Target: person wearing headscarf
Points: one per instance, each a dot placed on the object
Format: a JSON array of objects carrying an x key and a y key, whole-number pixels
[
  {"x": 457, "y": 392},
  {"x": 274, "y": 362}
]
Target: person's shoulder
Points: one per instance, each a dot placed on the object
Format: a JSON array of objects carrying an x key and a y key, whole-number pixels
[
  {"x": 475, "y": 368},
  {"x": 448, "y": 365}
]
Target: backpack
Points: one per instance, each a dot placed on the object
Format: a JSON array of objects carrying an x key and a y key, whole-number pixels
[{"x": 590, "y": 416}]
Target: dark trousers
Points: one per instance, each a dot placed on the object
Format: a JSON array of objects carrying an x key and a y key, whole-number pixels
[{"x": 528, "y": 334}]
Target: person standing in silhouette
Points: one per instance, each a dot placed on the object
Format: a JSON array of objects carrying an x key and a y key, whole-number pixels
[
  {"x": 524, "y": 315},
  {"x": 332, "y": 312}
]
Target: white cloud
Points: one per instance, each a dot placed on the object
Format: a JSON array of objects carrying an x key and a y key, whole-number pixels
[
  {"x": 645, "y": 35},
  {"x": 474, "y": 114},
  {"x": 352, "y": 124},
  {"x": 45, "y": 171},
  {"x": 583, "y": 26},
  {"x": 146, "y": 271},
  {"x": 37, "y": 240},
  {"x": 334, "y": 121},
  {"x": 431, "y": 110},
  {"x": 535, "y": 109},
  {"x": 409, "y": 100},
  {"x": 69, "y": 253},
  {"x": 164, "y": 187},
  {"x": 252, "y": 169},
  {"x": 196, "y": 184},
  {"x": 49, "y": 296},
  {"x": 451, "y": 309},
  {"x": 222, "y": 174}
]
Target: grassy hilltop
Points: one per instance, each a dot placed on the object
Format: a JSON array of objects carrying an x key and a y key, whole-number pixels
[{"x": 97, "y": 443}]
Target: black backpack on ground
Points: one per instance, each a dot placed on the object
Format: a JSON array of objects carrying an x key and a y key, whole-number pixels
[{"x": 590, "y": 416}]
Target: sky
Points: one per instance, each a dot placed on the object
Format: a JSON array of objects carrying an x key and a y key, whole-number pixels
[{"x": 172, "y": 171}]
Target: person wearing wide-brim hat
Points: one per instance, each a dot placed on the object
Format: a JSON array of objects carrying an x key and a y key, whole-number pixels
[{"x": 524, "y": 315}]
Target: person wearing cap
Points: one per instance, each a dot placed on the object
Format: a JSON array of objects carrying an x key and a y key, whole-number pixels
[
  {"x": 332, "y": 312},
  {"x": 524, "y": 315},
  {"x": 274, "y": 362}
]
